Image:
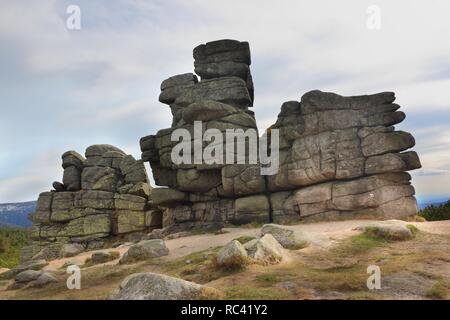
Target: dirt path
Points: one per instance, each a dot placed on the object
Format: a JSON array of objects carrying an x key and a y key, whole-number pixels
[{"x": 320, "y": 234}]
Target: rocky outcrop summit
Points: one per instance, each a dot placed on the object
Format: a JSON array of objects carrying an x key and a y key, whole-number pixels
[
  {"x": 339, "y": 157},
  {"x": 102, "y": 196}
]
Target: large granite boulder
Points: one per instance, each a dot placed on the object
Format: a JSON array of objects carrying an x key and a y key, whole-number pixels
[
  {"x": 104, "y": 195},
  {"x": 152, "y": 286},
  {"x": 327, "y": 142}
]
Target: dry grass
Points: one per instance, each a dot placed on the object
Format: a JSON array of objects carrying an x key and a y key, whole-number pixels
[{"x": 340, "y": 272}]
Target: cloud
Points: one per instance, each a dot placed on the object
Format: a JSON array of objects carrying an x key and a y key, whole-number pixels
[
  {"x": 21, "y": 188},
  {"x": 62, "y": 90}
]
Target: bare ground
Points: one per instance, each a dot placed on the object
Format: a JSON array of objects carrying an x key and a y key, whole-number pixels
[{"x": 333, "y": 266}]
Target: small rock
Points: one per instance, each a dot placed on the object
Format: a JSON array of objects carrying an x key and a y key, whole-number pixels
[
  {"x": 116, "y": 244},
  {"x": 95, "y": 245},
  {"x": 283, "y": 235},
  {"x": 265, "y": 249},
  {"x": 58, "y": 186},
  {"x": 156, "y": 234},
  {"x": 43, "y": 280},
  {"x": 152, "y": 286},
  {"x": 71, "y": 250},
  {"x": 145, "y": 249},
  {"x": 233, "y": 254},
  {"x": 135, "y": 237},
  {"x": 30, "y": 265},
  {"x": 126, "y": 244},
  {"x": 28, "y": 275},
  {"x": 101, "y": 257}
]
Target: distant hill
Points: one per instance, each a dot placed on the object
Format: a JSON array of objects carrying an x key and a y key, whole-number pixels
[
  {"x": 425, "y": 202},
  {"x": 16, "y": 214}
]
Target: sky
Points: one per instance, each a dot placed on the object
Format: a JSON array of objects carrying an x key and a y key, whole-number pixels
[{"x": 63, "y": 89}]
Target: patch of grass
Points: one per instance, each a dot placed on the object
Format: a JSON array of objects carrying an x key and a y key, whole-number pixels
[
  {"x": 248, "y": 292},
  {"x": 245, "y": 239},
  {"x": 439, "y": 290},
  {"x": 412, "y": 228},
  {"x": 200, "y": 268},
  {"x": 359, "y": 244},
  {"x": 426, "y": 274},
  {"x": 11, "y": 242},
  {"x": 275, "y": 277},
  {"x": 234, "y": 264},
  {"x": 416, "y": 218}
]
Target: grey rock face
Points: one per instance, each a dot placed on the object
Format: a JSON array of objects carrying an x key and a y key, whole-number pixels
[
  {"x": 28, "y": 275},
  {"x": 152, "y": 286},
  {"x": 340, "y": 157},
  {"x": 283, "y": 235},
  {"x": 43, "y": 280},
  {"x": 32, "y": 279},
  {"x": 390, "y": 230},
  {"x": 103, "y": 195},
  {"x": 145, "y": 249},
  {"x": 265, "y": 249},
  {"x": 101, "y": 257},
  {"x": 233, "y": 254},
  {"x": 71, "y": 250}
]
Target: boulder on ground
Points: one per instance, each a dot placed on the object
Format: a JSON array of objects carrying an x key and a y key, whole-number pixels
[
  {"x": 145, "y": 249},
  {"x": 232, "y": 255},
  {"x": 152, "y": 286},
  {"x": 28, "y": 275},
  {"x": 43, "y": 280},
  {"x": 71, "y": 250},
  {"x": 32, "y": 278},
  {"x": 284, "y": 236},
  {"x": 30, "y": 265},
  {"x": 103, "y": 257},
  {"x": 391, "y": 230},
  {"x": 265, "y": 249}
]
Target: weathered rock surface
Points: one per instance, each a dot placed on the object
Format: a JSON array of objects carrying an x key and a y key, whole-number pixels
[
  {"x": 152, "y": 286},
  {"x": 31, "y": 279},
  {"x": 71, "y": 250},
  {"x": 101, "y": 257},
  {"x": 233, "y": 254},
  {"x": 283, "y": 235},
  {"x": 145, "y": 249},
  {"x": 390, "y": 230},
  {"x": 104, "y": 195},
  {"x": 265, "y": 249},
  {"x": 29, "y": 265},
  {"x": 339, "y": 157}
]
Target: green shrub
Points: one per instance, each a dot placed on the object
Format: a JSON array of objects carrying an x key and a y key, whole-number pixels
[
  {"x": 3, "y": 245},
  {"x": 11, "y": 242},
  {"x": 434, "y": 213}
]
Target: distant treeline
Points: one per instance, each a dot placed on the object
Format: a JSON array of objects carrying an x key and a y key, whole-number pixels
[{"x": 436, "y": 212}]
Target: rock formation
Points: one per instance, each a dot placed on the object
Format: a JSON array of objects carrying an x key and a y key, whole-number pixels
[
  {"x": 102, "y": 196},
  {"x": 340, "y": 157}
]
